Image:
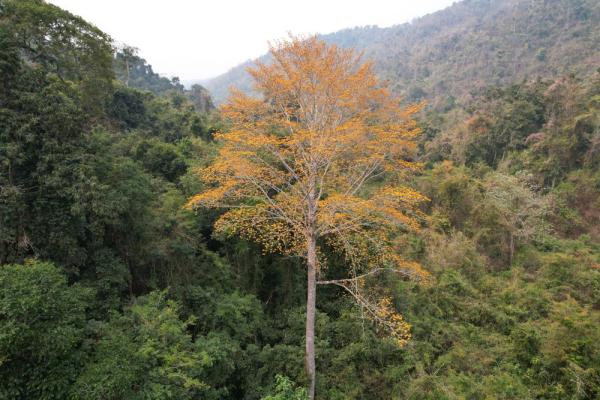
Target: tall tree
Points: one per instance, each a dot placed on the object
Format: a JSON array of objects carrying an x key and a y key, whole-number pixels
[
  {"x": 54, "y": 41},
  {"x": 318, "y": 162},
  {"x": 519, "y": 209},
  {"x": 126, "y": 55}
]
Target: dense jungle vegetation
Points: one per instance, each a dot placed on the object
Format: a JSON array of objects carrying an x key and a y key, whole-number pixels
[{"x": 111, "y": 289}]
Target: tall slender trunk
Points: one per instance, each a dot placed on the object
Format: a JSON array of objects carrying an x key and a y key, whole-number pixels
[
  {"x": 512, "y": 247},
  {"x": 310, "y": 315},
  {"x": 311, "y": 287}
]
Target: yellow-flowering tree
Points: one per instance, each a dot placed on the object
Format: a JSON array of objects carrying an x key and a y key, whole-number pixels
[{"x": 319, "y": 160}]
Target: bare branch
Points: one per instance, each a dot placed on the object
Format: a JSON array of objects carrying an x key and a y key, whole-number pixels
[{"x": 407, "y": 273}]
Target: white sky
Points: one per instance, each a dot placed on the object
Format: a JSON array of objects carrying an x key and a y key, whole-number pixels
[{"x": 198, "y": 39}]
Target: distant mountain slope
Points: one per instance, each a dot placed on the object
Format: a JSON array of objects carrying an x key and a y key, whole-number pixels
[
  {"x": 237, "y": 77},
  {"x": 472, "y": 44},
  {"x": 134, "y": 71}
]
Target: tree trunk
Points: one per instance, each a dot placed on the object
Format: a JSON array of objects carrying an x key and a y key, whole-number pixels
[
  {"x": 310, "y": 315},
  {"x": 512, "y": 247}
]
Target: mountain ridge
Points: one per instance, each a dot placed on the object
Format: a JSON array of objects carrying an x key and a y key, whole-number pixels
[{"x": 469, "y": 45}]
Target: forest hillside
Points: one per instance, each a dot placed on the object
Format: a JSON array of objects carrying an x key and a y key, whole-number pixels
[
  {"x": 120, "y": 280},
  {"x": 449, "y": 54}
]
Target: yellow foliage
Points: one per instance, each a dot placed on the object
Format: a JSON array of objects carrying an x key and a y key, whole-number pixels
[
  {"x": 395, "y": 324},
  {"x": 302, "y": 161}
]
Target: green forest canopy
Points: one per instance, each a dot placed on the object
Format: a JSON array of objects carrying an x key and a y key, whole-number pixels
[{"x": 110, "y": 289}]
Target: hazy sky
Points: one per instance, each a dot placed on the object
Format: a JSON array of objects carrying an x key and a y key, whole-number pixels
[{"x": 197, "y": 39}]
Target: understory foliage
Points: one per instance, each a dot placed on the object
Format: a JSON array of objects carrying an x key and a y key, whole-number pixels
[{"x": 110, "y": 288}]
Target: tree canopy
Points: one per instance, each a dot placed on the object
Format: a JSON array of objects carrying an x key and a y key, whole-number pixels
[{"x": 469, "y": 227}]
